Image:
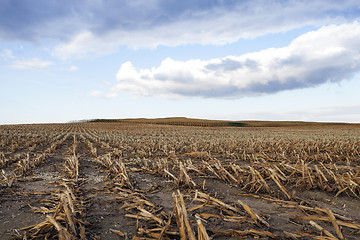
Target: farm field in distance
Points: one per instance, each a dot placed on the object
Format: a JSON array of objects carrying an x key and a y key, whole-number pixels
[{"x": 180, "y": 178}]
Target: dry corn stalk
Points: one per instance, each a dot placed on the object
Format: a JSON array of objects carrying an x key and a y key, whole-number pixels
[
  {"x": 238, "y": 233},
  {"x": 149, "y": 215},
  {"x": 182, "y": 220},
  {"x": 334, "y": 223},
  {"x": 253, "y": 215},
  {"x": 6, "y": 178},
  {"x": 3, "y": 160},
  {"x": 62, "y": 220},
  {"x": 262, "y": 182},
  {"x": 202, "y": 234},
  {"x": 199, "y": 196},
  {"x": 69, "y": 212},
  {"x": 164, "y": 229},
  {"x": 322, "y": 230},
  {"x": 225, "y": 175},
  {"x": 105, "y": 161},
  {"x": 208, "y": 166},
  {"x": 348, "y": 224},
  {"x": 171, "y": 175},
  {"x": 72, "y": 166},
  {"x": 275, "y": 178},
  {"x": 119, "y": 233},
  {"x": 121, "y": 172},
  {"x": 63, "y": 233},
  {"x": 184, "y": 176},
  {"x": 24, "y": 165}
]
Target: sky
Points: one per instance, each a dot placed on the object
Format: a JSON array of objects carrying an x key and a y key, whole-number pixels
[{"x": 62, "y": 60}]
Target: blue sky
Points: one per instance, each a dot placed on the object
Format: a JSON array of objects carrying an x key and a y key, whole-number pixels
[{"x": 215, "y": 59}]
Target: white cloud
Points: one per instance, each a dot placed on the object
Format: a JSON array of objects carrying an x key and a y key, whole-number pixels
[
  {"x": 99, "y": 27},
  {"x": 31, "y": 64},
  {"x": 330, "y": 54},
  {"x": 216, "y": 24},
  {"x": 7, "y": 54}
]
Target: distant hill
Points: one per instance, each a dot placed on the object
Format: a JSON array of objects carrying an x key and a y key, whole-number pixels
[{"x": 183, "y": 121}]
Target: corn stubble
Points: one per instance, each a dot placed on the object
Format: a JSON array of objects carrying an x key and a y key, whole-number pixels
[{"x": 271, "y": 164}]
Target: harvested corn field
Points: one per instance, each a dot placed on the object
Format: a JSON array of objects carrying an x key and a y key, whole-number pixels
[{"x": 139, "y": 180}]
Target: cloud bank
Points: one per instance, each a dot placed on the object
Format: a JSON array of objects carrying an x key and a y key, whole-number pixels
[
  {"x": 80, "y": 28},
  {"x": 330, "y": 54}
]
